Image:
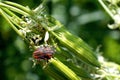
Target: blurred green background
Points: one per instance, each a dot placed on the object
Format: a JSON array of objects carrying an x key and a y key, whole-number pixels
[{"x": 84, "y": 18}]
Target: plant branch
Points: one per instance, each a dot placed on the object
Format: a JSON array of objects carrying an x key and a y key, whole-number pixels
[
  {"x": 13, "y": 18},
  {"x": 9, "y": 21},
  {"x": 106, "y": 9},
  {"x": 14, "y": 9},
  {"x": 64, "y": 69},
  {"x": 25, "y": 9}
]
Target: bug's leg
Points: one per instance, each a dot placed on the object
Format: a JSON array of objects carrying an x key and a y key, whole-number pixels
[
  {"x": 34, "y": 63},
  {"x": 52, "y": 56},
  {"x": 46, "y": 62}
]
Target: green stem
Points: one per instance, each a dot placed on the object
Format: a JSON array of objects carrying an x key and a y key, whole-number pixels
[
  {"x": 13, "y": 18},
  {"x": 25, "y": 9},
  {"x": 51, "y": 71},
  {"x": 64, "y": 69},
  {"x": 106, "y": 9},
  {"x": 14, "y": 9},
  {"x": 11, "y": 13},
  {"x": 41, "y": 6},
  {"x": 12, "y": 25},
  {"x": 44, "y": 2},
  {"x": 14, "y": 22}
]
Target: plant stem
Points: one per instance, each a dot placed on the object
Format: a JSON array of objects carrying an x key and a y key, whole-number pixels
[
  {"x": 12, "y": 25},
  {"x": 106, "y": 9},
  {"x": 14, "y": 9},
  {"x": 11, "y": 13},
  {"x": 64, "y": 69},
  {"x": 11, "y": 16},
  {"x": 51, "y": 71},
  {"x": 25, "y": 9}
]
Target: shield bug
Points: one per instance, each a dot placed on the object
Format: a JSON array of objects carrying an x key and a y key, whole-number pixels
[{"x": 44, "y": 52}]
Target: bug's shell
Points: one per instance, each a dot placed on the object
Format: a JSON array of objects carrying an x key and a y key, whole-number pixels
[{"x": 43, "y": 52}]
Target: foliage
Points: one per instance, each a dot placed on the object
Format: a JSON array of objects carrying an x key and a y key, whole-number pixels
[{"x": 73, "y": 56}]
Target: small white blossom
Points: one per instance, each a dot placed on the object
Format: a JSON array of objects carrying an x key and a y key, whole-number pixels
[{"x": 46, "y": 36}]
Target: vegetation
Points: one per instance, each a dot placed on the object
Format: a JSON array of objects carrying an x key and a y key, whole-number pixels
[{"x": 46, "y": 49}]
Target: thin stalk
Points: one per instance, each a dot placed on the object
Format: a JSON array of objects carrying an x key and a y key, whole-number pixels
[
  {"x": 51, "y": 71},
  {"x": 25, "y": 9},
  {"x": 64, "y": 69},
  {"x": 106, "y": 9},
  {"x": 44, "y": 2},
  {"x": 12, "y": 25},
  {"x": 11, "y": 13},
  {"x": 14, "y": 22},
  {"x": 11, "y": 16},
  {"x": 14, "y": 9},
  {"x": 41, "y": 6}
]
